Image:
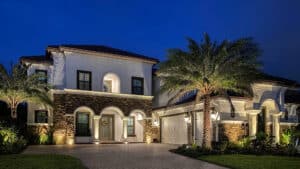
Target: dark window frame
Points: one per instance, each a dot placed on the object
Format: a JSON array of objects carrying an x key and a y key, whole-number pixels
[
  {"x": 87, "y": 132},
  {"x": 35, "y": 116},
  {"x": 133, "y": 87},
  {"x": 90, "y": 79},
  {"x": 133, "y": 127},
  {"x": 42, "y": 71}
]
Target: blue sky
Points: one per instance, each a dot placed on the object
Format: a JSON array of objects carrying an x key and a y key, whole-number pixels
[{"x": 152, "y": 27}]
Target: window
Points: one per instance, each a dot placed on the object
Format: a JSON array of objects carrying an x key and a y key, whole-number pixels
[
  {"x": 41, "y": 116},
  {"x": 137, "y": 85},
  {"x": 42, "y": 75},
  {"x": 84, "y": 79},
  {"x": 130, "y": 126},
  {"x": 107, "y": 86},
  {"x": 82, "y": 124}
]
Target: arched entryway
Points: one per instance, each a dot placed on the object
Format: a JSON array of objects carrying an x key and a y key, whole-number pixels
[
  {"x": 83, "y": 117},
  {"x": 111, "y": 124},
  {"x": 268, "y": 119},
  {"x": 135, "y": 126}
]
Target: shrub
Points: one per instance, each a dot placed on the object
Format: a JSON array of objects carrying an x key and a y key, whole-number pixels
[
  {"x": 286, "y": 137},
  {"x": 10, "y": 141},
  {"x": 39, "y": 136}
]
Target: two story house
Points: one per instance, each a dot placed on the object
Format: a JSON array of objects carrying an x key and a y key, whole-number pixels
[{"x": 100, "y": 94}]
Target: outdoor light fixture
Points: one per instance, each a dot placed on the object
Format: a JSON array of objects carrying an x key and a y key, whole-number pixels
[
  {"x": 215, "y": 116},
  {"x": 187, "y": 118},
  {"x": 156, "y": 123}
]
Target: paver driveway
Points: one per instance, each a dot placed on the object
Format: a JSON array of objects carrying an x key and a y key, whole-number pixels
[{"x": 125, "y": 156}]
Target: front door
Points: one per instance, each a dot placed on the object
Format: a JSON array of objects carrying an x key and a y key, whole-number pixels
[{"x": 107, "y": 128}]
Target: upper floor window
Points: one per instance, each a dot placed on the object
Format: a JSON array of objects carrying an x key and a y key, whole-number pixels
[
  {"x": 111, "y": 83},
  {"x": 130, "y": 126},
  {"x": 42, "y": 75},
  {"x": 84, "y": 80},
  {"x": 137, "y": 85},
  {"x": 107, "y": 86},
  {"x": 41, "y": 116}
]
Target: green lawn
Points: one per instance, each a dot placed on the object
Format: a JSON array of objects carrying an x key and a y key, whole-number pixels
[
  {"x": 21, "y": 161},
  {"x": 253, "y": 162}
]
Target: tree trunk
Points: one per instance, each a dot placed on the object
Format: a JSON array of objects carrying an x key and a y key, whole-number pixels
[
  {"x": 206, "y": 125},
  {"x": 13, "y": 111}
]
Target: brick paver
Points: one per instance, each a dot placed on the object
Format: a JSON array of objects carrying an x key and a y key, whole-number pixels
[{"x": 125, "y": 156}]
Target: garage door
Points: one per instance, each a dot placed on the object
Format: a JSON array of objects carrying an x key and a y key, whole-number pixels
[{"x": 174, "y": 130}]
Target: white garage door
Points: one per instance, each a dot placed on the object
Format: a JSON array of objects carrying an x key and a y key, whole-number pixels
[{"x": 174, "y": 130}]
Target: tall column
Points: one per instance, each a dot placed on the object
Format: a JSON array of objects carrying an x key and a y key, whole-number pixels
[
  {"x": 125, "y": 120},
  {"x": 276, "y": 127},
  {"x": 96, "y": 128},
  {"x": 253, "y": 122}
]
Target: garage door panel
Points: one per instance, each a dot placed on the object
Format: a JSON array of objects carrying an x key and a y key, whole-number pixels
[{"x": 174, "y": 130}]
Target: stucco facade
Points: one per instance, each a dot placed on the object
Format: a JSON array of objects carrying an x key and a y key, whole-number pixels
[{"x": 114, "y": 113}]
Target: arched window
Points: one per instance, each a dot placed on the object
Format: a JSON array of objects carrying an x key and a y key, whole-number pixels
[{"x": 111, "y": 83}]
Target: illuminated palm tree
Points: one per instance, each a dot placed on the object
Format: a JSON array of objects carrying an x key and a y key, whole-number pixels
[
  {"x": 17, "y": 87},
  {"x": 210, "y": 68}
]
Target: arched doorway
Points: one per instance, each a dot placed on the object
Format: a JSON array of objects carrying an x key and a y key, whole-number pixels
[
  {"x": 269, "y": 108},
  {"x": 135, "y": 126},
  {"x": 111, "y": 124}
]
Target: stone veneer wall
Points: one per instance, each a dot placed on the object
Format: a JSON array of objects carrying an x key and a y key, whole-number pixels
[
  {"x": 151, "y": 131},
  {"x": 66, "y": 104},
  {"x": 232, "y": 132}
]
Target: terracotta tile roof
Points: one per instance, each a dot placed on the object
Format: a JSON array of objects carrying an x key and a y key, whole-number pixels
[
  {"x": 105, "y": 49},
  {"x": 36, "y": 59}
]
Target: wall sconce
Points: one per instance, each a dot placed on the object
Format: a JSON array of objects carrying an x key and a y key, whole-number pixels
[
  {"x": 155, "y": 122},
  {"x": 215, "y": 116},
  {"x": 187, "y": 118}
]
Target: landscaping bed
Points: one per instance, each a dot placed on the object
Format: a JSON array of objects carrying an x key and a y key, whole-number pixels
[
  {"x": 238, "y": 161},
  {"x": 51, "y": 161}
]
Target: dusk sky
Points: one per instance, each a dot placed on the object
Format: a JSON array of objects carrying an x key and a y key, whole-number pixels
[{"x": 152, "y": 27}]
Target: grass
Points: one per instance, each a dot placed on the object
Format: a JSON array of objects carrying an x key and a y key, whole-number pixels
[
  {"x": 49, "y": 161},
  {"x": 253, "y": 162}
]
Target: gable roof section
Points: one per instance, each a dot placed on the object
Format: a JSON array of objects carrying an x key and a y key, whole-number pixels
[
  {"x": 266, "y": 78},
  {"x": 292, "y": 96},
  {"x": 103, "y": 49},
  {"x": 39, "y": 59}
]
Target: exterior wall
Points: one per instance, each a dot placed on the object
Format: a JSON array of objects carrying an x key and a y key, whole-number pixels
[
  {"x": 232, "y": 131},
  {"x": 99, "y": 66},
  {"x": 31, "y": 114},
  {"x": 67, "y": 103},
  {"x": 97, "y": 103}
]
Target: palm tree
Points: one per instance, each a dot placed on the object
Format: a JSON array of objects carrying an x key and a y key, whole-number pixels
[
  {"x": 210, "y": 68},
  {"x": 17, "y": 87}
]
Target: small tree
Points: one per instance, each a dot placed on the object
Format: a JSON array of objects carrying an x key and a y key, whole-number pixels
[
  {"x": 210, "y": 68},
  {"x": 17, "y": 87}
]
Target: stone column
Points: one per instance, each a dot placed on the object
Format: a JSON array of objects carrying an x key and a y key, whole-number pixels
[
  {"x": 125, "y": 120},
  {"x": 253, "y": 122},
  {"x": 96, "y": 128},
  {"x": 276, "y": 127}
]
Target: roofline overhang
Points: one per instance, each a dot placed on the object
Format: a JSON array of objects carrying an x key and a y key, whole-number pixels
[{"x": 116, "y": 56}]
